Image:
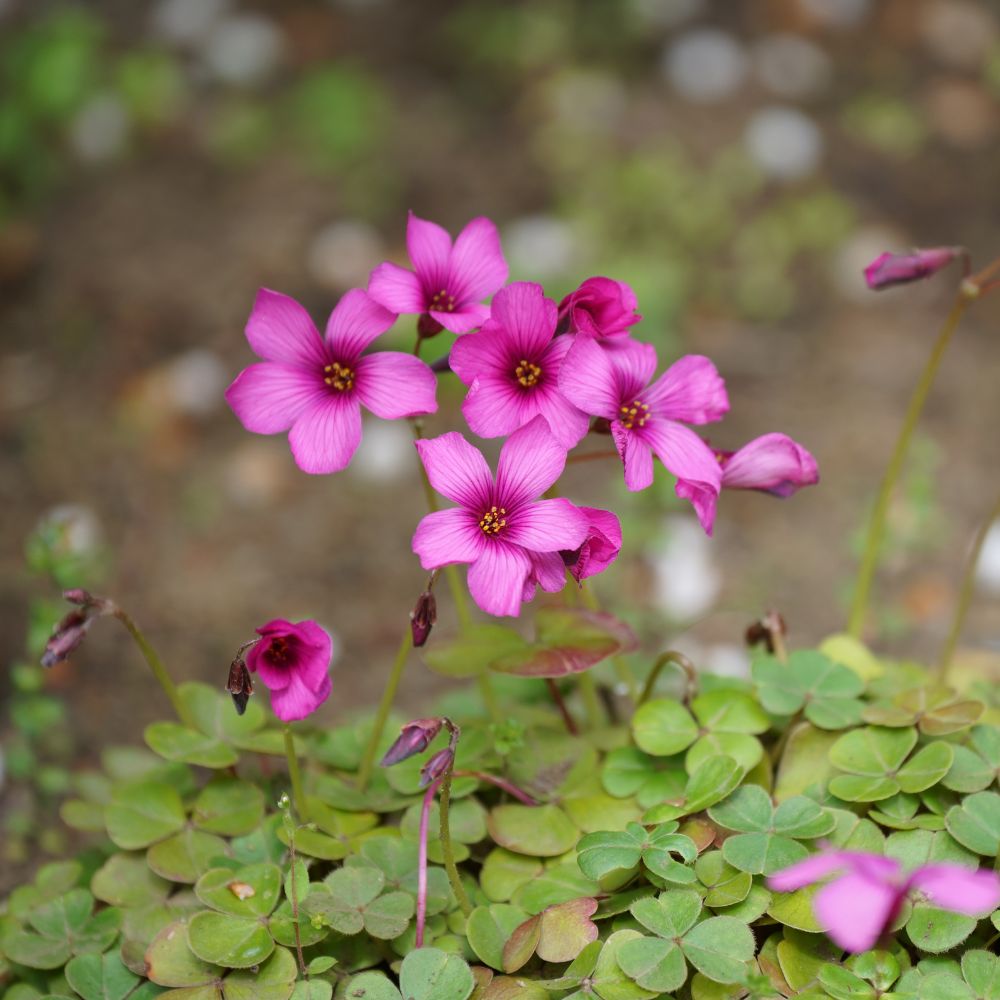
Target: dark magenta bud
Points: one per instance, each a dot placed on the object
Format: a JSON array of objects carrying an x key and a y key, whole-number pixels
[
  {"x": 890, "y": 269},
  {"x": 428, "y": 326},
  {"x": 422, "y": 618},
  {"x": 68, "y": 634},
  {"x": 437, "y": 766},
  {"x": 414, "y": 738},
  {"x": 78, "y": 596},
  {"x": 769, "y": 631},
  {"x": 239, "y": 684}
]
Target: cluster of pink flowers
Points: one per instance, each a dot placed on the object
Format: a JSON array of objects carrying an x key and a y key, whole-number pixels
[{"x": 540, "y": 374}]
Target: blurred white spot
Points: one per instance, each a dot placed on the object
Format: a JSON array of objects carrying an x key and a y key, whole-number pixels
[
  {"x": 195, "y": 382},
  {"x": 342, "y": 254},
  {"x": 666, "y": 13},
  {"x": 244, "y": 50},
  {"x": 540, "y": 245},
  {"x": 791, "y": 66},
  {"x": 837, "y": 13},
  {"x": 988, "y": 570},
  {"x": 957, "y": 32},
  {"x": 785, "y": 143},
  {"x": 186, "y": 22},
  {"x": 686, "y": 580},
  {"x": 705, "y": 65},
  {"x": 856, "y": 253},
  {"x": 726, "y": 660},
  {"x": 99, "y": 129},
  {"x": 79, "y": 530},
  {"x": 386, "y": 452}
]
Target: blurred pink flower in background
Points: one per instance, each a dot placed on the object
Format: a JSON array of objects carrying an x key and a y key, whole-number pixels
[
  {"x": 772, "y": 463},
  {"x": 890, "y": 269},
  {"x": 293, "y": 660}
]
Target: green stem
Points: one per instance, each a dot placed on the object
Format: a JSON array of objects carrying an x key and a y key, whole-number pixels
[
  {"x": 591, "y": 702},
  {"x": 965, "y": 595},
  {"x": 671, "y": 658},
  {"x": 384, "y": 708},
  {"x": 622, "y": 669},
  {"x": 156, "y": 665},
  {"x": 444, "y": 800},
  {"x": 298, "y": 797},
  {"x": 876, "y": 526}
]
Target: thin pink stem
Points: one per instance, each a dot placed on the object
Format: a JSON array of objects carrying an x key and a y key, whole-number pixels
[
  {"x": 425, "y": 817},
  {"x": 509, "y": 788}
]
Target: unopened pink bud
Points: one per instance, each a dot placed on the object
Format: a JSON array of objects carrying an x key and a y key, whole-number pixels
[
  {"x": 890, "y": 269},
  {"x": 77, "y": 595},
  {"x": 414, "y": 738},
  {"x": 422, "y": 618},
  {"x": 437, "y": 766},
  {"x": 68, "y": 634}
]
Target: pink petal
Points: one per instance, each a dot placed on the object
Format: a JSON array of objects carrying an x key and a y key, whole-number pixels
[
  {"x": 636, "y": 456},
  {"x": 633, "y": 363},
  {"x": 809, "y": 870},
  {"x": 568, "y": 424},
  {"x": 355, "y": 322},
  {"x": 398, "y": 289},
  {"x": 449, "y": 536},
  {"x": 588, "y": 378},
  {"x": 269, "y": 397},
  {"x": 548, "y": 571},
  {"x": 526, "y": 316},
  {"x": 497, "y": 577},
  {"x": 704, "y": 497},
  {"x": 311, "y": 651},
  {"x": 855, "y": 911},
  {"x": 478, "y": 354},
  {"x": 430, "y": 248},
  {"x": 279, "y": 329},
  {"x": 689, "y": 459},
  {"x": 325, "y": 436},
  {"x": 894, "y": 269},
  {"x": 299, "y": 700},
  {"x": 394, "y": 385},
  {"x": 463, "y": 319},
  {"x": 773, "y": 463},
  {"x": 601, "y": 546},
  {"x": 477, "y": 267},
  {"x": 952, "y": 887},
  {"x": 547, "y": 526},
  {"x": 494, "y": 406},
  {"x": 457, "y": 470},
  {"x": 691, "y": 390},
  {"x": 531, "y": 460}
]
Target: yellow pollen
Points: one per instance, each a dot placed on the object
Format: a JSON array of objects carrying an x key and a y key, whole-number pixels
[
  {"x": 338, "y": 376},
  {"x": 493, "y": 520},
  {"x": 633, "y": 415},
  {"x": 527, "y": 374},
  {"x": 442, "y": 302}
]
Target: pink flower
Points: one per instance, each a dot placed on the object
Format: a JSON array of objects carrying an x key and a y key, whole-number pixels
[
  {"x": 315, "y": 385},
  {"x": 293, "y": 661},
  {"x": 500, "y": 526},
  {"x": 644, "y": 418},
  {"x": 448, "y": 282},
  {"x": 773, "y": 463},
  {"x": 600, "y": 307},
  {"x": 512, "y": 367},
  {"x": 890, "y": 269},
  {"x": 861, "y": 904},
  {"x": 600, "y": 548}
]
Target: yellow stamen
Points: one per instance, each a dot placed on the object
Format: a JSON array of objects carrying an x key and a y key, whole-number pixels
[
  {"x": 339, "y": 376},
  {"x": 493, "y": 520},
  {"x": 633, "y": 415},
  {"x": 527, "y": 373},
  {"x": 442, "y": 302}
]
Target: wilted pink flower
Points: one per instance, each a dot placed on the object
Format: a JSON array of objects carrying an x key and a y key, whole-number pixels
[
  {"x": 499, "y": 524},
  {"x": 890, "y": 269},
  {"x": 437, "y": 766},
  {"x": 600, "y": 548},
  {"x": 644, "y": 418},
  {"x": 414, "y": 738},
  {"x": 315, "y": 385},
  {"x": 600, "y": 307},
  {"x": 860, "y": 905},
  {"x": 72, "y": 629},
  {"x": 512, "y": 367},
  {"x": 772, "y": 463},
  {"x": 293, "y": 661},
  {"x": 448, "y": 282}
]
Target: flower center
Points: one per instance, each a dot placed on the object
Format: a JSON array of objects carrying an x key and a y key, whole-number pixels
[
  {"x": 634, "y": 414},
  {"x": 278, "y": 652},
  {"x": 442, "y": 302},
  {"x": 527, "y": 374},
  {"x": 339, "y": 376},
  {"x": 493, "y": 520}
]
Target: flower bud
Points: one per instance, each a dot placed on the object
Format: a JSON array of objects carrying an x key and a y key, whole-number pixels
[
  {"x": 422, "y": 618},
  {"x": 437, "y": 766},
  {"x": 77, "y": 595},
  {"x": 428, "y": 326},
  {"x": 890, "y": 269},
  {"x": 414, "y": 738},
  {"x": 239, "y": 684},
  {"x": 68, "y": 634},
  {"x": 769, "y": 631}
]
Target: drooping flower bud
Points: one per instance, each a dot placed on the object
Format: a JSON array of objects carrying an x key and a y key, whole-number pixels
[
  {"x": 239, "y": 684},
  {"x": 414, "y": 738},
  {"x": 428, "y": 326},
  {"x": 73, "y": 627},
  {"x": 422, "y": 618},
  {"x": 890, "y": 269},
  {"x": 769, "y": 631},
  {"x": 437, "y": 766}
]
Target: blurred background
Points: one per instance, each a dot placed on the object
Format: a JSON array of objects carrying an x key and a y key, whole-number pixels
[{"x": 737, "y": 163}]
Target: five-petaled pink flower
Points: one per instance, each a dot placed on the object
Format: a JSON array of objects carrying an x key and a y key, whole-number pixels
[
  {"x": 512, "y": 368},
  {"x": 772, "y": 463},
  {"x": 861, "y": 904},
  {"x": 315, "y": 385},
  {"x": 500, "y": 527},
  {"x": 890, "y": 269},
  {"x": 600, "y": 307},
  {"x": 448, "y": 282},
  {"x": 599, "y": 549},
  {"x": 293, "y": 661},
  {"x": 645, "y": 417}
]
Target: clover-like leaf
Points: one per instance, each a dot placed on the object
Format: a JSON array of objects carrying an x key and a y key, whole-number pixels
[
  {"x": 810, "y": 682},
  {"x": 976, "y": 823},
  {"x": 601, "y": 853},
  {"x": 725, "y": 884},
  {"x": 709, "y": 783},
  {"x": 504, "y": 872},
  {"x": 608, "y": 979},
  {"x": 252, "y": 891},
  {"x": 540, "y": 831},
  {"x": 935, "y": 711},
  {"x": 372, "y": 986},
  {"x": 126, "y": 880},
  {"x": 432, "y": 974},
  {"x": 185, "y": 856},
  {"x": 663, "y": 727},
  {"x": 173, "y": 741},
  {"x": 143, "y": 812},
  {"x": 489, "y": 928},
  {"x": 274, "y": 980},
  {"x": 558, "y": 883},
  {"x": 100, "y": 977},
  {"x": 169, "y": 960},
  {"x": 872, "y": 757},
  {"x": 228, "y": 940},
  {"x": 228, "y": 806},
  {"x": 629, "y": 771}
]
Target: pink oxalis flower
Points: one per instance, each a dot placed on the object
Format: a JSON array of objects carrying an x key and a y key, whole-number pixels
[
  {"x": 645, "y": 418},
  {"x": 500, "y": 527},
  {"x": 293, "y": 661},
  {"x": 448, "y": 281},
  {"x": 890, "y": 269},
  {"x": 860, "y": 905},
  {"x": 512, "y": 368},
  {"x": 772, "y": 463},
  {"x": 599, "y": 549},
  {"x": 600, "y": 307},
  {"x": 315, "y": 385}
]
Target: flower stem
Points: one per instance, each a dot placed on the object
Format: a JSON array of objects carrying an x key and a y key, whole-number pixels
[
  {"x": 446, "y": 849},
  {"x": 156, "y": 665},
  {"x": 295, "y": 904},
  {"x": 509, "y": 787},
  {"x": 671, "y": 658},
  {"x": 622, "y": 668},
  {"x": 425, "y": 813},
  {"x": 295, "y": 775},
  {"x": 384, "y": 708},
  {"x": 876, "y": 525},
  {"x": 564, "y": 711},
  {"x": 966, "y": 593}
]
